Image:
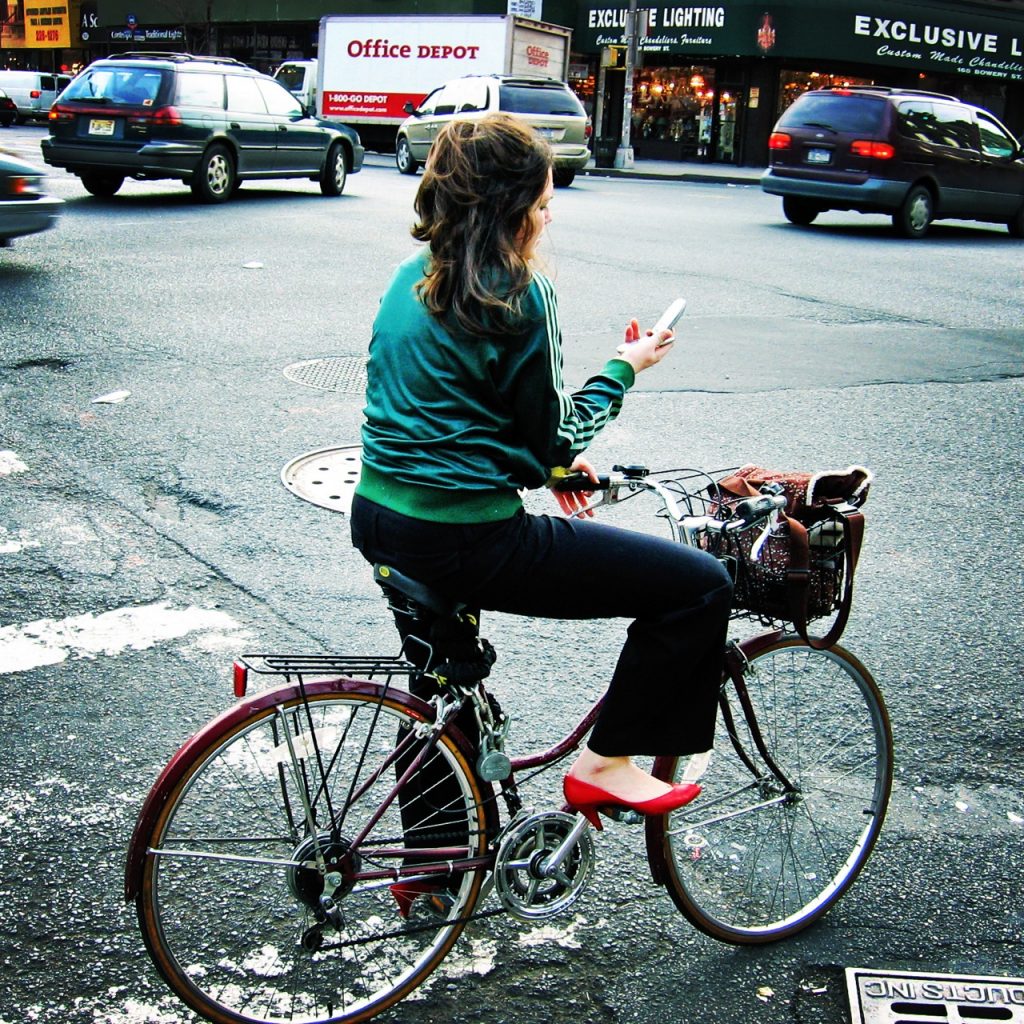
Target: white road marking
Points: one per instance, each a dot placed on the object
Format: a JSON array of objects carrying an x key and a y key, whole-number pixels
[
  {"x": 10, "y": 463},
  {"x": 51, "y": 641}
]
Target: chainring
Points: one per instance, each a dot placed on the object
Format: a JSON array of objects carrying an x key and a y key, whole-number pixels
[{"x": 521, "y": 887}]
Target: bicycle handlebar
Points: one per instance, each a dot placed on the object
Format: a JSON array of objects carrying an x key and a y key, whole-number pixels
[{"x": 744, "y": 514}]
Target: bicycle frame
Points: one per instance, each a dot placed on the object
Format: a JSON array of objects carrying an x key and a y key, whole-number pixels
[{"x": 444, "y": 857}]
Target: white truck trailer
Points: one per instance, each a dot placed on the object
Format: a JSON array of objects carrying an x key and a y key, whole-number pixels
[{"x": 369, "y": 68}]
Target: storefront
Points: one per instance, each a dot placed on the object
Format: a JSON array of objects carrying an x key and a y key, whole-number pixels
[{"x": 709, "y": 81}]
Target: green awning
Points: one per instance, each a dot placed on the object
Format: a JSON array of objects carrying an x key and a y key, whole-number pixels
[{"x": 922, "y": 37}]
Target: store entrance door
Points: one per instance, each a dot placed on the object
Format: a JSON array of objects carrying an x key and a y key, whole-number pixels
[{"x": 730, "y": 103}]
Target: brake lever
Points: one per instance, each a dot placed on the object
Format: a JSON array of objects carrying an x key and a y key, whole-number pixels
[{"x": 770, "y": 524}]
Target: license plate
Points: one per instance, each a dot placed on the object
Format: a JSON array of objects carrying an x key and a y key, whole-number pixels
[
  {"x": 548, "y": 133},
  {"x": 819, "y": 156},
  {"x": 101, "y": 126}
]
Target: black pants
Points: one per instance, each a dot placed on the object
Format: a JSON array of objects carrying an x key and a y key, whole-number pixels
[{"x": 663, "y": 692}]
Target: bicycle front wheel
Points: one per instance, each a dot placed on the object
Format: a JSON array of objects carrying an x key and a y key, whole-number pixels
[
  {"x": 285, "y": 881},
  {"x": 753, "y": 859}
]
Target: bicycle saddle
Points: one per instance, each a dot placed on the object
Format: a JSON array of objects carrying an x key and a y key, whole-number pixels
[{"x": 385, "y": 577}]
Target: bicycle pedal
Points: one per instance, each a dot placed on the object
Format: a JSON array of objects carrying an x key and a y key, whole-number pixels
[{"x": 625, "y": 815}]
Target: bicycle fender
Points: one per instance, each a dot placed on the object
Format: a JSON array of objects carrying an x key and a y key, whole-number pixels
[
  {"x": 180, "y": 763},
  {"x": 653, "y": 827}
]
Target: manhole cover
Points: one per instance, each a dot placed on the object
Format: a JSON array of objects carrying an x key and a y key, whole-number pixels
[
  {"x": 344, "y": 374},
  {"x": 903, "y": 997},
  {"x": 327, "y": 477}
]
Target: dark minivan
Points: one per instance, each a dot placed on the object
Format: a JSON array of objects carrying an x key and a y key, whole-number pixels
[{"x": 918, "y": 156}]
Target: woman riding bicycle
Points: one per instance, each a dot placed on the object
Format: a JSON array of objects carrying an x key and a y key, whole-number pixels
[{"x": 465, "y": 407}]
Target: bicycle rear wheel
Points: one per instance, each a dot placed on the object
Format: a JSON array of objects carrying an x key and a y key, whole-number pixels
[
  {"x": 750, "y": 861},
  {"x": 281, "y": 810}
]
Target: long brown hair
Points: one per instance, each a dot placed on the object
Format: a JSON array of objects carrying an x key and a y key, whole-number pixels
[{"x": 480, "y": 184}]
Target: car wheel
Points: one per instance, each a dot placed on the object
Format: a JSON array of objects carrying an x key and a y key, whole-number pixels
[
  {"x": 404, "y": 159},
  {"x": 102, "y": 185},
  {"x": 799, "y": 211},
  {"x": 214, "y": 180},
  {"x": 562, "y": 177},
  {"x": 7, "y": 122},
  {"x": 334, "y": 174},
  {"x": 914, "y": 216},
  {"x": 1016, "y": 224}
]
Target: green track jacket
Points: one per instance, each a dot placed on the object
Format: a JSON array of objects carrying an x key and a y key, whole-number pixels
[{"x": 456, "y": 424}]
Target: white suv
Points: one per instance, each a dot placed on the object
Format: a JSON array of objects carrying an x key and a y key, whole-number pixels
[{"x": 547, "y": 105}]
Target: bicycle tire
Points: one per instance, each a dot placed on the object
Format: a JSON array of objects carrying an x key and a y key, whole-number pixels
[
  {"x": 227, "y": 934},
  {"x": 747, "y": 871}
]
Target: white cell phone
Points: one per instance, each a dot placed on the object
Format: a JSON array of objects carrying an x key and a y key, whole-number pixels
[{"x": 670, "y": 318}]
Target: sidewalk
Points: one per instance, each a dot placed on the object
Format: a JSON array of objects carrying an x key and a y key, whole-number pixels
[{"x": 672, "y": 170}]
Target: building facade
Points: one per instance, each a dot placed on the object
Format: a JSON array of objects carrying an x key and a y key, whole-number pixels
[{"x": 707, "y": 80}]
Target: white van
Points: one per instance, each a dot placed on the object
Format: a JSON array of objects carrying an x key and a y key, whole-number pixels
[
  {"x": 33, "y": 91},
  {"x": 299, "y": 78}
]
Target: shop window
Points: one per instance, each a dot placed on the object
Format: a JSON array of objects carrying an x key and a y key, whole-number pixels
[
  {"x": 583, "y": 81},
  {"x": 796, "y": 83},
  {"x": 673, "y": 106}
]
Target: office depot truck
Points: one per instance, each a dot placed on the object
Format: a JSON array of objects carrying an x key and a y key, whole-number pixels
[{"x": 369, "y": 68}]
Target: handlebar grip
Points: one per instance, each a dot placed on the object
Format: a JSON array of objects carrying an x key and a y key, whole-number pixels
[
  {"x": 756, "y": 508},
  {"x": 582, "y": 482}
]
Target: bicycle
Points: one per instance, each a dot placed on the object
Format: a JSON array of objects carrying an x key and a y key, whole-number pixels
[{"x": 314, "y": 852}]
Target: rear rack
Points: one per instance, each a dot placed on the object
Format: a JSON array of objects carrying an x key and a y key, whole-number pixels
[{"x": 366, "y": 666}]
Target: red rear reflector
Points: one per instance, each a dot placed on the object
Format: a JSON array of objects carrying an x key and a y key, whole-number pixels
[
  {"x": 779, "y": 140},
  {"x": 878, "y": 150},
  {"x": 241, "y": 678},
  {"x": 35, "y": 94}
]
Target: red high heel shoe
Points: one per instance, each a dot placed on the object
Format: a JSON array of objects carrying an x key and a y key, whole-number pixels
[
  {"x": 589, "y": 799},
  {"x": 406, "y": 893}
]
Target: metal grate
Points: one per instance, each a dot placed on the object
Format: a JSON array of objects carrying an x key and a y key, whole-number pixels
[
  {"x": 346, "y": 374},
  {"x": 326, "y": 477},
  {"x": 904, "y": 997}
]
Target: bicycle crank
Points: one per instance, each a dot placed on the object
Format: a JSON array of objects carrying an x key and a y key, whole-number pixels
[{"x": 543, "y": 864}]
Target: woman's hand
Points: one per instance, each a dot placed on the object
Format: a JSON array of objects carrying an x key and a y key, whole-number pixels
[
  {"x": 574, "y": 503},
  {"x": 643, "y": 350}
]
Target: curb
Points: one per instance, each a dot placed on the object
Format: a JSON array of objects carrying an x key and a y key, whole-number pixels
[{"x": 688, "y": 176}]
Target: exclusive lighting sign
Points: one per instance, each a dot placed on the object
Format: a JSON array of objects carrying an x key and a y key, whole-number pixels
[
  {"x": 663, "y": 28},
  {"x": 921, "y": 38},
  {"x": 979, "y": 51}
]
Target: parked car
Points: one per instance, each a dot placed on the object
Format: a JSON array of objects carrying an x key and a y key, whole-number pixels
[
  {"x": 24, "y": 207},
  {"x": 33, "y": 92},
  {"x": 8, "y": 110},
  {"x": 918, "y": 156},
  {"x": 547, "y": 105},
  {"x": 211, "y": 122}
]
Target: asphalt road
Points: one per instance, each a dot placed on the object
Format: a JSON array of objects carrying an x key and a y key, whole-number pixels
[{"x": 800, "y": 349}]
